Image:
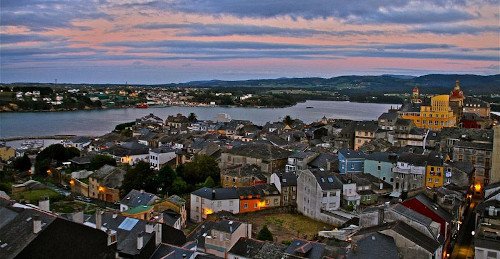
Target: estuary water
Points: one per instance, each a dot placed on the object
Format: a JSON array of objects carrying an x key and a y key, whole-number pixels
[{"x": 99, "y": 122}]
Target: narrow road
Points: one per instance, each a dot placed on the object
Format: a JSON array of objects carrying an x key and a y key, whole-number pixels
[{"x": 464, "y": 248}]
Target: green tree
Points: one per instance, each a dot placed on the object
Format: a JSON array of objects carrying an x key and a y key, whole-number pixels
[
  {"x": 179, "y": 186},
  {"x": 99, "y": 161},
  {"x": 200, "y": 168},
  {"x": 140, "y": 177},
  {"x": 209, "y": 182},
  {"x": 264, "y": 234},
  {"x": 192, "y": 117},
  {"x": 288, "y": 120},
  {"x": 165, "y": 178},
  {"x": 22, "y": 163},
  {"x": 54, "y": 153}
]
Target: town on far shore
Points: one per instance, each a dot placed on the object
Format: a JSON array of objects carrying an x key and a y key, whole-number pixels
[{"x": 421, "y": 181}]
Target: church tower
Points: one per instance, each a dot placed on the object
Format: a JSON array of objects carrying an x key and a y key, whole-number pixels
[
  {"x": 457, "y": 101},
  {"x": 415, "y": 95}
]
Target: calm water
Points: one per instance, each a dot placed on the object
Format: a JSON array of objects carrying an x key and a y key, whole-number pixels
[{"x": 98, "y": 122}]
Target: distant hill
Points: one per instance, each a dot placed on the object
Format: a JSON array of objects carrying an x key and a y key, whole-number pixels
[{"x": 434, "y": 83}]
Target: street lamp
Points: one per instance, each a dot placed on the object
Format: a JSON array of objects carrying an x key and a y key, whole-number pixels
[{"x": 473, "y": 232}]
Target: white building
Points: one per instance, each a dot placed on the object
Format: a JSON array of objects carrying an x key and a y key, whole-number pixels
[
  {"x": 160, "y": 156},
  {"x": 206, "y": 201}
]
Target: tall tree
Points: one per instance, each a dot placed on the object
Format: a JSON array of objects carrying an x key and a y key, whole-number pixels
[
  {"x": 22, "y": 163},
  {"x": 140, "y": 177},
  {"x": 165, "y": 178},
  {"x": 99, "y": 161},
  {"x": 192, "y": 117},
  {"x": 200, "y": 168}
]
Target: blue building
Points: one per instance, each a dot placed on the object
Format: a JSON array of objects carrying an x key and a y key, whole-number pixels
[
  {"x": 380, "y": 164},
  {"x": 351, "y": 161}
]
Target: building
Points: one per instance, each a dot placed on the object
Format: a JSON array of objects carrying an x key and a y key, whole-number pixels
[
  {"x": 477, "y": 153},
  {"x": 176, "y": 204},
  {"x": 299, "y": 160},
  {"x": 364, "y": 132},
  {"x": 268, "y": 157},
  {"x": 6, "y": 153},
  {"x": 350, "y": 197},
  {"x": 286, "y": 183},
  {"x": 206, "y": 201},
  {"x": 495, "y": 164},
  {"x": 160, "y": 156},
  {"x": 177, "y": 122},
  {"x": 409, "y": 173},
  {"x": 457, "y": 101},
  {"x": 80, "y": 143},
  {"x": 259, "y": 197},
  {"x": 242, "y": 176},
  {"x": 477, "y": 106},
  {"x": 387, "y": 120},
  {"x": 29, "y": 232},
  {"x": 319, "y": 196},
  {"x": 435, "y": 115},
  {"x": 217, "y": 238},
  {"x": 299, "y": 248},
  {"x": 434, "y": 171},
  {"x": 351, "y": 161},
  {"x": 129, "y": 152},
  {"x": 104, "y": 184},
  {"x": 380, "y": 164},
  {"x": 458, "y": 173},
  {"x": 137, "y": 198}
]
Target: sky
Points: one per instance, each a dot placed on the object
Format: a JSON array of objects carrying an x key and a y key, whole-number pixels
[{"x": 155, "y": 42}]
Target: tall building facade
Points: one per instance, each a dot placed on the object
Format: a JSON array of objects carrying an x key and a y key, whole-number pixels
[{"x": 495, "y": 163}]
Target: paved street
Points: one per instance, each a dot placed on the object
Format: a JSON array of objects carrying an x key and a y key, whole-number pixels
[{"x": 463, "y": 248}]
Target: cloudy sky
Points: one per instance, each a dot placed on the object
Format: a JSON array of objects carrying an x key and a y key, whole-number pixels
[{"x": 147, "y": 41}]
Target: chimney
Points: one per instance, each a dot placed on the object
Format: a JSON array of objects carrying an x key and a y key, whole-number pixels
[
  {"x": 142, "y": 191},
  {"x": 381, "y": 186},
  {"x": 184, "y": 256},
  {"x": 158, "y": 233},
  {"x": 149, "y": 227},
  {"x": 111, "y": 236},
  {"x": 381, "y": 214},
  {"x": 140, "y": 240},
  {"x": 213, "y": 194},
  {"x": 78, "y": 217},
  {"x": 98, "y": 219},
  {"x": 44, "y": 204},
  {"x": 37, "y": 224}
]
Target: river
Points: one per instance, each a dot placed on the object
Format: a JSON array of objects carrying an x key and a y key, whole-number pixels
[{"x": 99, "y": 122}]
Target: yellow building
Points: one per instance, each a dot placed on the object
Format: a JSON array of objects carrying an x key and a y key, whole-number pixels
[
  {"x": 434, "y": 175},
  {"x": 7, "y": 153},
  {"x": 434, "y": 116}
]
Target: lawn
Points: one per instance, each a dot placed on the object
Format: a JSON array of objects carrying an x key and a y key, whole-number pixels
[
  {"x": 284, "y": 226},
  {"x": 34, "y": 196},
  {"x": 73, "y": 206}
]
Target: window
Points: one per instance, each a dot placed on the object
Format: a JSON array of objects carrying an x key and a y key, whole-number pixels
[
  {"x": 255, "y": 205},
  {"x": 230, "y": 203},
  {"x": 325, "y": 194},
  {"x": 276, "y": 201},
  {"x": 379, "y": 168},
  {"x": 392, "y": 179},
  {"x": 245, "y": 205},
  {"x": 219, "y": 203}
]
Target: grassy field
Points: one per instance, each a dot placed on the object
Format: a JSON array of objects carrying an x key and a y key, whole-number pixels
[
  {"x": 73, "y": 206},
  {"x": 284, "y": 226},
  {"x": 34, "y": 196}
]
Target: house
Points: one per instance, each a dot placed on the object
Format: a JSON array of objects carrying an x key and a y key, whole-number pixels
[
  {"x": 286, "y": 183},
  {"x": 206, "y": 201},
  {"x": 171, "y": 218},
  {"x": 380, "y": 164},
  {"x": 364, "y": 132},
  {"x": 245, "y": 248},
  {"x": 217, "y": 238},
  {"x": 351, "y": 161},
  {"x": 129, "y": 152},
  {"x": 137, "y": 198},
  {"x": 434, "y": 171},
  {"x": 345, "y": 138},
  {"x": 142, "y": 212},
  {"x": 259, "y": 197},
  {"x": 325, "y": 161},
  {"x": 479, "y": 154},
  {"x": 177, "y": 122},
  {"x": 374, "y": 245},
  {"x": 104, "y": 184},
  {"x": 299, "y": 160},
  {"x": 425, "y": 206},
  {"x": 150, "y": 121},
  {"x": 409, "y": 173},
  {"x": 350, "y": 197},
  {"x": 477, "y": 106},
  {"x": 27, "y": 232},
  {"x": 242, "y": 176},
  {"x": 135, "y": 238},
  {"x": 487, "y": 238},
  {"x": 6, "y": 153},
  {"x": 299, "y": 248},
  {"x": 160, "y": 156},
  {"x": 319, "y": 196},
  {"x": 458, "y": 173},
  {"x": 267, "y": 156},
  {"x": 410, "y": 242},
  {"x": 387, "y": 120},
  {"x": 176, "y": 204},
  {"x": 165, "y": 251},
  {"x": 80, "y": 143}
]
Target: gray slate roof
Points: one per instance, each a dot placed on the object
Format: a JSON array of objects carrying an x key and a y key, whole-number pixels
[{"x": 138, "y": 198}]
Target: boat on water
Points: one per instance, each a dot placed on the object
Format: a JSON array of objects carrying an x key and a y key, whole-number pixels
[
  {"x": 141, "y": 105},
  {"x": 309, "y": 107}
]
